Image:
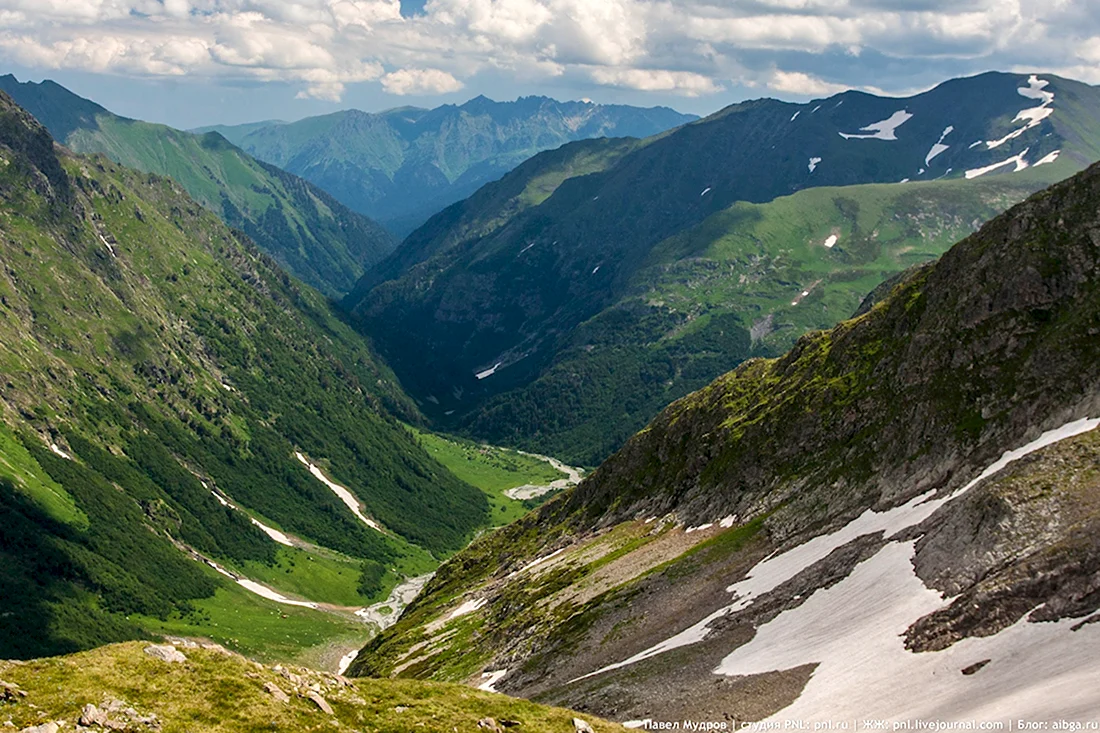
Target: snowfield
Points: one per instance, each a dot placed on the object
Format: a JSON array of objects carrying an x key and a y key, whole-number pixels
[
  {"x": 848, "y": 628},
  {"x": 1033, "y": 115},
  {"x": 882, "y": 130}
]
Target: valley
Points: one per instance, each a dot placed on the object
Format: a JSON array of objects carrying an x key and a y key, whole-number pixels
[{"x": 790, "y": 412}]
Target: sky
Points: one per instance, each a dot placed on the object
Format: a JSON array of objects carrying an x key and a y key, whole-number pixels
[{"x": 196, "y": 62}]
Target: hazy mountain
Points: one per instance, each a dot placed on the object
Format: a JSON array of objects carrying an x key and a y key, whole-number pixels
[
  {"x": 308, "y": 231},
  {"x": 403, "y": 165}
]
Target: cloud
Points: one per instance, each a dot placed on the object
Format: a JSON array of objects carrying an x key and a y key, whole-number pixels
[
  {"x": 420, "y": 81},
  {"x": 675, "y": 47}
]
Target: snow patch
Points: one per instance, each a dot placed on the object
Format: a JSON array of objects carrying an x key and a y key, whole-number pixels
[
  {"x": 1016, "y": 160},
  {"x": 595, "y": 269},
  {"x": 490, "y": 680},
  {"x": 342, "y": 493},
  {"x": 830, "y": 241},
  {"x": 815, "y": 109},
  {"x": 699, "y": 528},
  {"x": 1048, "y": 158},
  {"x": 268, "y": 593},
  {"x": 491, "y": 370},
  {"x": 527, "y": 248},
  {"x": 727, "y": 521},
  {"x": 774, "y": 570},
  {"x": 467, "y": 607},
  {"x": 795, "y": 115},
  {"x": 705, "y": 191},
  {"x": 882, "y": 130},
  {"x": 402, "y": 595},
  {"x": 346, "y": 660},
  {"x": 1032, "y": 116},
  {"x": 56, "y": 449},
  {"x": 813, "y": 164},
  {"x": 541, "y": 560},
  {"x": 939, "y": 147}
]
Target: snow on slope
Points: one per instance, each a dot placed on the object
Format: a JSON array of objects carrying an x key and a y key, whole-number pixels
[
  {"x": 344, "y": 495},
  {"x": 939, "y": 147},
  {"x": 773, "y": 571},
  {"x": 1016, "y": 160},
  {"x": 1033, "y": 115},
  {"x": 882, "y": 130}
]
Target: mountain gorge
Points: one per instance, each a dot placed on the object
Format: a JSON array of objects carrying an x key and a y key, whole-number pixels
[
  {"x": 895, "y": 519},
  {"x": 179, "y": 417},
  {"x": 561, "y": 307},
  {"x": 403, "y": 165},
  {"x": 305, "y": 229}
]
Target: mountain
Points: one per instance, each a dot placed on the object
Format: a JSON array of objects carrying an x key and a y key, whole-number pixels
[
  {"x": 180, "y": 419},
  {"x": 403, "y": 165},
  {"x": 896, "y": 520},
  {"x": 308, "y": 231},
  {"x": 562, "y": 307},
  {"x": 126, "y": 687}
]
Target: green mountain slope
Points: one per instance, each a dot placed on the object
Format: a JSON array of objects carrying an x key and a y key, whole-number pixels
[
  {"x": 915, "y": 488},
  {"x": 308, "y": 231},
  {"x": 403, "y": 165},
  {"x": 561, "y": 307},
  {"x": 124, "y": 687},
  {"x": 156, "y": 367}
]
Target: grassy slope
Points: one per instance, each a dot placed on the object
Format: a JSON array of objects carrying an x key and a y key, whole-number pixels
[
  {"x": 492, "y": 469},
  {"x": 216, "y": 692},
  {"x": 317, "y": 238},
  {"x": 160, "y": 350},
  {"x": 687, "y": 315}
]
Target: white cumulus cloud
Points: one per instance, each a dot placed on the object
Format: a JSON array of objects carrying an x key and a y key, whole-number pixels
[{"x": 420, "y": 81}]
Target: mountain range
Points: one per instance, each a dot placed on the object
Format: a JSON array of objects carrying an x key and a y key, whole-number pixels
[
  {"x": 894, "y": 520},
  {"x": 563, "y": 306},
  {"x": 403, "y": 165},
  {"x": 305, "y": 229},
  {"x": 170, "y": 395}
]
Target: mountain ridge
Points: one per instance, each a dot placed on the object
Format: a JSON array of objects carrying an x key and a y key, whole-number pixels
[
  {"x": 599, "y": 258},
  {"x": 401, "y": 166},
  {"x": 304, "y": 228}
]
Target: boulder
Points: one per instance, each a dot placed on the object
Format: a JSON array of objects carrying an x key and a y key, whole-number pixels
[{"x": 166, "y": 653}]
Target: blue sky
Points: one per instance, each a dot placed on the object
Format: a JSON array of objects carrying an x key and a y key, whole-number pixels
[{"x": 194, "y": 62}]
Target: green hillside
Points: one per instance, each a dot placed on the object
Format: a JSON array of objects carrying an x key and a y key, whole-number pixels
[
  {"x": 151, "y": 357},
  {"x": 561, "y": 307},
  {"x": 308, "y": 231}
]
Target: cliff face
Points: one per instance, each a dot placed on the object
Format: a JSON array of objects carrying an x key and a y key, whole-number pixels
[{"x": 856, "y": 499}]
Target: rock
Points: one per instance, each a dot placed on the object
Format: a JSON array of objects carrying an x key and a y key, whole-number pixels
[
  {"x": 166, "y": 653},
  {"x": 490, "y": 725},
  {"x": 9, "y": 691},
  {"x": 975, "y": 667},
  {"x": 579, "y": 726},
  {"x": 320, "y": 702},
  {"x": 44, "y": 728},
  {"x": 400, "y": 709},
  {"x": 91, "y": 715},
  {"x": 274, "y": 690}
]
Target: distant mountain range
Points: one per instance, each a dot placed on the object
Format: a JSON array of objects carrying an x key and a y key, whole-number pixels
[
  {"x": 403, "y": 165},
  {"x": 308, "y": 231},
  {"x": 561, "y": 307}
]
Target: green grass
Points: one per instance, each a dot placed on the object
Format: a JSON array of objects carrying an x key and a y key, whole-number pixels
[
  {"x": 28, "y": 477},
  {"x": 319, "y": 575},
  {"x": 223, "y": 693},
  {"x": 492, "y": 469},
  {"x": 257, "y": 627}
]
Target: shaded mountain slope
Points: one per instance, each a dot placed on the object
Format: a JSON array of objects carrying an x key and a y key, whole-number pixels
[
  {"x": 907, "y": 501},
  {"x": 154, "y": 364},
  {"x": 585, "y": 267},
  {"x": 308, "y": 231}
]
